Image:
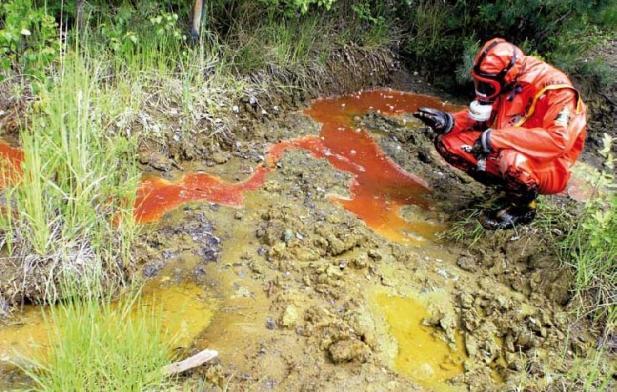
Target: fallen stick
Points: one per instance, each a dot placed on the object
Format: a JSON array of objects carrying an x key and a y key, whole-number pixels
[{"x": 191, "y": 362}]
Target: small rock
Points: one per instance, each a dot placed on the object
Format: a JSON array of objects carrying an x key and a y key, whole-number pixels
[
  {"x": 349, "y": 350},
  {"x": 374, "y": 254},
  {"x": 156, "y": 160},
  {"x": 290, "y": 316},
  {"x": 466, "y": 300},
  {"x": 220, "y": 157},
  {"x": 467, "y": 263},
  {"x": 235, "y": 109},
  {"x": 270, "y": 324},
  {"x": 288, "y": 235},
  {"x": 238, "y": 215},
  {"x": 471, "y": 345},
  {"x": 359, "y": 262},
  {"x": 149, "y": 271},
  {"x": 334, "y": 272},
  {"x": 336, "y": 246},
  {"x": 514, "y": 361}
]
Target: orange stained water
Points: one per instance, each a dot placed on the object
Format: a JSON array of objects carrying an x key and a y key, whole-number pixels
[
  {"x": 156, "y": 195},
  {"x": 379, "y": 187},
  {"x": 422, "y": 356},
  {"x": 10, "y": 165}
]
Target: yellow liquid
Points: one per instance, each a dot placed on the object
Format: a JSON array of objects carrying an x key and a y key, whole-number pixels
[
  {"x": 182, "y": 311},
  {"x": 422, "y": 355}
]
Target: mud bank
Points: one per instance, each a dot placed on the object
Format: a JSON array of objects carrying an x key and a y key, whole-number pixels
[{"x": 311, "y": 295}]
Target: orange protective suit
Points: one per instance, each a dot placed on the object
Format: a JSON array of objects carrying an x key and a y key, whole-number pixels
[{"x": 538, "y": 127}]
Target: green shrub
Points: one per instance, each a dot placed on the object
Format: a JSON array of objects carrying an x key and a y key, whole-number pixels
[
  {"x": 439, "y": 34},
  {"x": 297, "y": 5},
  {"x": 29, "y": 40}
]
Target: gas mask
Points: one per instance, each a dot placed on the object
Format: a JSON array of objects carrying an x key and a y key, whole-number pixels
[
  {"x": 489, "y": 85},
  {"x": 487, "y": 90}
]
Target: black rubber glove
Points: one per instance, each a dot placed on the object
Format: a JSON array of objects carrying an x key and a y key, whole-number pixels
[
  {"x": 482, "y": 147},
  {"x": 440, "y": 122}
]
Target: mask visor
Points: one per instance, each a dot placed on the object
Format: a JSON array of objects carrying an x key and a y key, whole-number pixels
[{"x": 486, "y": 89}]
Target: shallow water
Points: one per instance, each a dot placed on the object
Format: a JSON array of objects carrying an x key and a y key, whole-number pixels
[
  {"x": 183, "y": 309},
  {"x": 422, "y": 354}
]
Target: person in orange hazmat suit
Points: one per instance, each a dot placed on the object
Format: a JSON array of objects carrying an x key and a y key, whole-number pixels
[{"x": 523, "y": 132}]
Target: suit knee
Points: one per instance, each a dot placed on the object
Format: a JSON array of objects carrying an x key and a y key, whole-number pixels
[{"x": 449, "y": 153}]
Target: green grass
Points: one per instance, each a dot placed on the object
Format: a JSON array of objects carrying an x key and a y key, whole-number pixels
[
  {"x": 595, "y": 372},
  {"x": 590, "y": 249},
  {"x": 73, "y": 205},
  {"x": 100, "y": 345},
  {"x": 466, "y": 229}
]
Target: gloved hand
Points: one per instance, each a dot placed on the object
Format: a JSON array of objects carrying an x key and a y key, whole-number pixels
[
  {"x": 438, "y": 121},
  {"x": 482, "y": 146}
]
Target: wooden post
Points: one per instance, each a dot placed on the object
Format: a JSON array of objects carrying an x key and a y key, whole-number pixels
[
  {"x": 79, "y": 15},
  {"x": 198, "y": 10}
]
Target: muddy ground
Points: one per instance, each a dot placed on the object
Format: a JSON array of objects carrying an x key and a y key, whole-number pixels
[
  {"x": 313, "y": 271},
  {"x": 297, "y": 276}
]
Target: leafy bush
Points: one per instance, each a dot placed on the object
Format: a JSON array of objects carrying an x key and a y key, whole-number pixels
[
  {"x": 28, "y": 37},
  {"x": 438, "y": 33},
  {"x": 297, "y": 5}
]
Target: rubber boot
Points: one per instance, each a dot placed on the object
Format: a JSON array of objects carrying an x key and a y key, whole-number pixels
[{"x": 509, "y": 217}]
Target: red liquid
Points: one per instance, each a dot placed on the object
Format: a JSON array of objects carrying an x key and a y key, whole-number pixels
[
  {"x": 379, "y": 187},
  {"x": 10, "y": 165},
  {"x": 378, "y": 190},
  {"x": 156, "y": 196}
]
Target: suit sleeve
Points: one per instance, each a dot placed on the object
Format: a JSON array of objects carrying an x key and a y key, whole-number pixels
[
  {"x": 462, "y": 122},
  {"x": 555, "y": 137}
]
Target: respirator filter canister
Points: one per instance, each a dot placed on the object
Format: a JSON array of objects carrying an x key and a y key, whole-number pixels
[{"x": 480, "y": 112}]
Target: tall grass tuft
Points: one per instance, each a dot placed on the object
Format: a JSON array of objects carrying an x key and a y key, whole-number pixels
[
  {"x": 98, "y": 345},
  {"x": 72, "y": 209},
  {"x": 591, "y": 250}
]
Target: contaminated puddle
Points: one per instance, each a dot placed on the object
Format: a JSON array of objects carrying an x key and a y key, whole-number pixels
[
  {"x": 183, "y": 309},
  {"x": 422, "y": 353}
]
